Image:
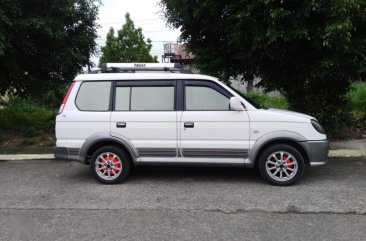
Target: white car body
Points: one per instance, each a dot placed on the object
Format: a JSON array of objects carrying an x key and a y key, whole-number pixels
[{"x": 160, "y": 137}]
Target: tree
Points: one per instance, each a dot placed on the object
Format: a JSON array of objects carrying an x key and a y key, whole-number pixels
[
  {"x": 44, "y": 43},
  {"x": 309, "y": 50},
  {"x": 128, "y": 46}
]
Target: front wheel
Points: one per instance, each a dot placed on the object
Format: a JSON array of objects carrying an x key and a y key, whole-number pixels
[
  {"x": 281, "y": 165},
  {"x": 110, "y": 165}
]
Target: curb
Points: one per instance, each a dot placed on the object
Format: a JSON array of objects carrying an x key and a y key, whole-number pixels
[
  {"x": 346, "y": 153},
  {"x": 20, "y": 157}
]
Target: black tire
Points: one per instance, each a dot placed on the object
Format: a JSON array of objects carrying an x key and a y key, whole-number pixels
[
  {"x": 266, "y": 156},
  {"x": 121, "y": 174}
]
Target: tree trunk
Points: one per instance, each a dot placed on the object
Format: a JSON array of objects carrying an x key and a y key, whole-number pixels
[{"x": 250, "y": 85}]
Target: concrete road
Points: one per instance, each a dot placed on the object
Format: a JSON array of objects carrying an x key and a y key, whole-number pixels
[{"x": 56, "y": 200}]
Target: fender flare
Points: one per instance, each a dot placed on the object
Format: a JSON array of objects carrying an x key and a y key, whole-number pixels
[
  {"x": 108, "y": 136},
  {"x": 277, "y": 135}
]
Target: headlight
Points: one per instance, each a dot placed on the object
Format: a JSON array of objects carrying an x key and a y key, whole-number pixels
[{"x": 317, "y": 126}]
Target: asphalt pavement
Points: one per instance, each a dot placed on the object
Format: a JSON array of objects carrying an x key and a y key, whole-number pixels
[{"x": 60, "y": 200}]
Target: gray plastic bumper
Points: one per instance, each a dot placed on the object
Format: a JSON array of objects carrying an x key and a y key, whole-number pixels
[
  {"x": 318, "y": 152},
  {"x": 64, "y": 153}
]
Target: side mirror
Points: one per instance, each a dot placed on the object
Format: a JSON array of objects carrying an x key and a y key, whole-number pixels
[{"x": 235, "y": 104}]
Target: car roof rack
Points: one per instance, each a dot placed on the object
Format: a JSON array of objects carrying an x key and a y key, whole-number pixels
[{"x": 143, "y": 67}]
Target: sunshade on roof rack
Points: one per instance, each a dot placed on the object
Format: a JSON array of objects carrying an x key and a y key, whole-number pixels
[{"x": 141, "y": 67}]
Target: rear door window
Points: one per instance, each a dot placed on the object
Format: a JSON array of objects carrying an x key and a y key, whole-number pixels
[{"x": 145, "y": 98}]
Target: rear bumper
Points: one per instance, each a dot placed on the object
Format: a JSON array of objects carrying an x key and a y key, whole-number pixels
[
  {"x": 69, "y": 154},
  {"x": 61, "y": 153},
  {"x": 318, "y": 152}
]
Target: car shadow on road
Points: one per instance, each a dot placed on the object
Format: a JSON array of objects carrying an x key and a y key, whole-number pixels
[
  {"x": 202, "y": 174},
  {"x": 221, "y": 174},
  {"x": 177, "y": 174}
]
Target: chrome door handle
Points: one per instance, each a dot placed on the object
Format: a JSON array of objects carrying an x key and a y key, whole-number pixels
[
  {"x": 121, "y": 125},
  {"x": 188, "y": 125}
]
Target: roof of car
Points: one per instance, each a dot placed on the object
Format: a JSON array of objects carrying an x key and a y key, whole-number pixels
[{"x": 141, "y": 76}]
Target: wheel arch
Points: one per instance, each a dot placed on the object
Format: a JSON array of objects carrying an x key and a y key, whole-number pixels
[
  {"x": 99, "y": 140},
  {"x": 293, "y": 139}
]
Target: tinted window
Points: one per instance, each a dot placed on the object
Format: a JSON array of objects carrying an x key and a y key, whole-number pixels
[
  {"x": 205, "y": 98},
  {"x": 123, "y": 98},
  {"x": 94, "y": 96},
  {"x": 145, "y": 98}
]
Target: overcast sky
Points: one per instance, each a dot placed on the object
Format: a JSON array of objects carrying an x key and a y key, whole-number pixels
[{"x": 145, "y": 14}]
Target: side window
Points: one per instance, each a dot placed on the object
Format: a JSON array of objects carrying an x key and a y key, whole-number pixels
[
  {"x": 94, "y": 96},
  {"x": 123, "y": 98},
  {"x": 205, "y": 98},
  {"x": 145, "y": 98}
]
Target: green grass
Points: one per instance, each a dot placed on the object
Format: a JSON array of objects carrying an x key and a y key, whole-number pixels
[
  {"x": 271, "y": 100},
  {"x": 356, "y": 98}
]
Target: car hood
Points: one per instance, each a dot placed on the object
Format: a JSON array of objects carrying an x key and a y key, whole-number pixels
[
  {"x": 272, "y": 114},
  {"x": 292, "y": 113}
]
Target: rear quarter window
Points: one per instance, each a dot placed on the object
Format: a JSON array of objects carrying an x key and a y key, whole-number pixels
[{"x": 94, "y": 96}]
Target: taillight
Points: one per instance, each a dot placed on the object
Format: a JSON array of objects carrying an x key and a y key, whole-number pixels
[{"x": 66, "y": 97}]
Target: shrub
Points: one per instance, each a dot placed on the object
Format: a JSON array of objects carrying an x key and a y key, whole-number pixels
[
  {"x": 2, "y": 135},
  {"x": 271, "y": 100},
  {"x": 28, "y": 142},
  {"x": 52, "y": 98},
  {"x": 356, "y": 98},
  {"x": 29, "y": 131},
  {"x": 27, "y": 116}
]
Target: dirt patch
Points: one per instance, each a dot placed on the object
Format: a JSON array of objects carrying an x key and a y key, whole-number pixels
[{"x": 14, "y": 142}]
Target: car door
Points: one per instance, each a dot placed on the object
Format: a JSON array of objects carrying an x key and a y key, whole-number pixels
[
  {"x": 144, "y": 112},
  {"x": 208, "y": 128}
]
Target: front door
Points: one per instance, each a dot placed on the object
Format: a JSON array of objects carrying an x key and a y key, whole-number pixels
[{"x": 208, "y": 128}]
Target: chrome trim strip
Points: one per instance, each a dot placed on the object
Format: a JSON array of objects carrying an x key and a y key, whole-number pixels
[
  {"x": 157, "y": 152},
  {"x": 316, "y": 164},
  {"x": 193, "y": 161},
  {"x": 217, "y": 152}
]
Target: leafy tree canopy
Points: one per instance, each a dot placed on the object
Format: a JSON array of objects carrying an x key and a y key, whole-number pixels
[
  {"x": 128, "y": 46},
  {"x": 44, "y": 43},
  {"x": 309, "y": 50}
]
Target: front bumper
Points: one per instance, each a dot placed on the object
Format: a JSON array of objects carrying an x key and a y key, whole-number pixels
[{"x": 318, "y": 155}]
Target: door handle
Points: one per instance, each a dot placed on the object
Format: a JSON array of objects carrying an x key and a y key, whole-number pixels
[
  {"x": 121, "y": 125},
  {"x": 188, "y": 124}
]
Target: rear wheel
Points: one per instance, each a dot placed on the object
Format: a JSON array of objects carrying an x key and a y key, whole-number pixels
[
  {"x": 281, "y": 165},
  {"x": 110, "y": 165}
]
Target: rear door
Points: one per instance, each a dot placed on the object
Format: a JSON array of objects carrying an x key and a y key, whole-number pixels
[
  {"x": 145, "y": 113},
  {"x": 208, "y": 128}
]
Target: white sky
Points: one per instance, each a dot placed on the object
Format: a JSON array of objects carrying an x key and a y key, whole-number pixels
[{"x": 145, "y": 14}]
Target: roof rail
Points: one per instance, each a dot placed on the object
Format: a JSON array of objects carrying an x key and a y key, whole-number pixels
[{"x": 138, "y": 67}]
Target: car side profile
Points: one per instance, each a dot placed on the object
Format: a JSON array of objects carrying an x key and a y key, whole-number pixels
[{"x": 161, "y": 114}]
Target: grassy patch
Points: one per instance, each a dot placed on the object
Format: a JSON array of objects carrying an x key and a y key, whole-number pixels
[
  {"x": 26, "y": 116},
  {"x": 356, "y": 99}
]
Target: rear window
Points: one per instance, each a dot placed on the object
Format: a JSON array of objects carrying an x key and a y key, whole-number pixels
[{"x": 94, "y": 96}]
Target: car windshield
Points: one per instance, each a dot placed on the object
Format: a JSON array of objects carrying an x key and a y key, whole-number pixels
[{"x": 253, "y": 103}]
